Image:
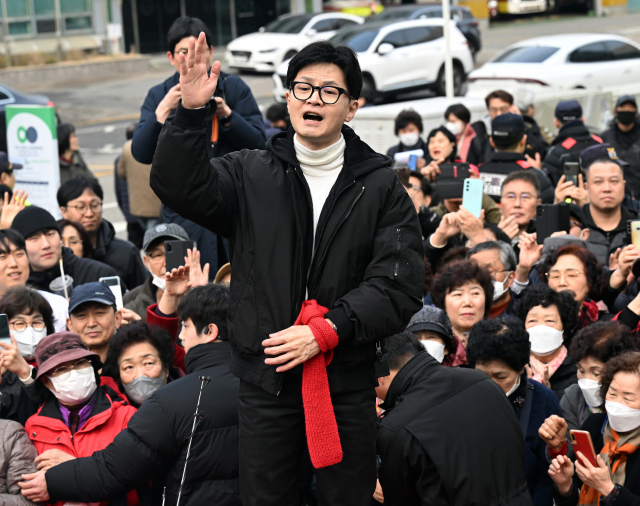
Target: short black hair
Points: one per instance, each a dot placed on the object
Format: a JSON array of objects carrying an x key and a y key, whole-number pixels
[
  {"x": 459, "y": 111},
  {"x": 186, "y": 26},
  {"x": 498, "y": 232},
  {"x": 23, "y": 300},
  {"x": 506, "y": 144},
  {"x": 452, "y": 138},
  {"x": 73, "y": 188},
  {"x": 87, "y": 246},
  {"x": 459, "y": 274},
  {"x": 130, "y": 130},
  {"x": 499, "y": 339},
  {"x": 204, "y": 305},
  {"x": 505, "y": 96},
  {"x": 523, "y": 175},
  {"x": 136, "y": 333},
  {"x": 400, "y": 348},
  {"x": 324, "y": 51},
  {"x": 64, "y": 133},
  {"x": 277, "y": 112},
  {"x": 602, "y": 341},
  {"x": 8, "y": 236},
  {"x": 604, "y": 160},
  {"x": 406, "y": 118},
  {"x": 543, "y": 295}
]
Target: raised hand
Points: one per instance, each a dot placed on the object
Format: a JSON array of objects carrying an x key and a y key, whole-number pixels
[
  {"x": 11, "y": 209},
  {"x": 13, "y": 360},
  {"x": 509, "y": 226},
  {"x": 554, "y": 432},
  {"x": 471, "y": 227},
  {"x": 561, "y": 472},
  {"x": 196, "y": 86},
  {"x": 598, "y": 478},
  {"x": 198, "y": 275},
  {"x": 168, "y": 103},
  {"x": 449, "y": 226},
  {"x": 178, "y": 283}
]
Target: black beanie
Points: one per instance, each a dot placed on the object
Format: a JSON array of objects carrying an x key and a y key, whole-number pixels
[{"x": 33, "y": 219}]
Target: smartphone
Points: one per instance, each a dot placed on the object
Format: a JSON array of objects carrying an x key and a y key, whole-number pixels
[
  {"x": 633, "y": 232},
  {"x": 413, "y": 162},
  {"x": 113, "y": 282},
  {"x": 571, "y": 172},
  {"x": 450, "y": 182},
  {"x": 581, "y": 442},
  {"x": 551, "y": 218},
  {"x": 5, "y": 334},
  {"x": 174, "y": 253},
  {"x": 472, "y": 196}
]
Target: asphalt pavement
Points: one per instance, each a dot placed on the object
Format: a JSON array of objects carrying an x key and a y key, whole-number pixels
[{"x": 102, "y": 110}]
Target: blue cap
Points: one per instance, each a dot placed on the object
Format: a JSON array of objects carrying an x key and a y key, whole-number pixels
[
  {"x": 568, "y": 110},
  {"x": 599, "y": 152},
  {"x": 507, "y": 127},
  {"x": 91, "y": 292}
]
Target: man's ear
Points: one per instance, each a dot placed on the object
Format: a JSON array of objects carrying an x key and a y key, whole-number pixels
[
  {"x": 353, "y": 107},
  {"x": 170, "y": 57},
  {"x": 210, "y": 333},
  {"x": 511, "y": 277},
  {"x": 69, "y": 326},
  {"x": 63, "y": 210},
  {"x": 427, "y": 201},
  {"x": 118, "y": 319},
  {"x": 584, "y": 234},
  {"x": 556, "y": 123},
  {"x": 523, "y": 141},
  {"x": 493, "y": 144}
]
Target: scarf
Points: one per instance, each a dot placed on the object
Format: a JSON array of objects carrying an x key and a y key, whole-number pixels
[
  {"x": 323, "y": 439},
  {"x": 615, "y": 451},
  {"x": 588, "y": 314},
  {"x": 464, "y": 141},
  {"x": 538, "y": 367}
]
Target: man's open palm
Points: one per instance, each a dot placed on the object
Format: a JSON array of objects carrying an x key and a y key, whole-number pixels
[{"x": 197, "y": 87}]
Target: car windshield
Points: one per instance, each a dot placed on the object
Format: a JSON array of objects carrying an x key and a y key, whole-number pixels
[
  {"x": 529, "y": 54},
  {"x": 358, "y": 38},
  {"x": 391, "y": 13},
  {"x": 290, "y": 24}
]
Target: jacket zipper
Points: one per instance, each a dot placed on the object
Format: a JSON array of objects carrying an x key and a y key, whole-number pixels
[
  {"x": 342, "y": 220},
  {"x": 395, "y": 274}
]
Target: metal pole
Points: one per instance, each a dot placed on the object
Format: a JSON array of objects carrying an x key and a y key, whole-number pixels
[
  {"x": 448, "y": 63},
  {"x": 232, "y": 15},
  {"x": 5, "y": 31},
  {"x": 56, "y": 6},
  {"x": 136, "y": 30}
]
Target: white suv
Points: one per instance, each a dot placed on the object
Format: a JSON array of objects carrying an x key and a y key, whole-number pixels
[{"x": 397, "y": 57}]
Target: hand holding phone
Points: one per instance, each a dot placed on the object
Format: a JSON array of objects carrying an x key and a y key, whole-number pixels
[
  {"x": 472, "y": 196},
  {"x": 581, "y": 442}
]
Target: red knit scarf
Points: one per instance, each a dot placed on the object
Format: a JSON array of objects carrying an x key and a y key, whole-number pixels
[{"x": 320, "y": 421}]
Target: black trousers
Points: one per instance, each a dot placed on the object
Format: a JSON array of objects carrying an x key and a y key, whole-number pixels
[{"x": 273, "y": 443}]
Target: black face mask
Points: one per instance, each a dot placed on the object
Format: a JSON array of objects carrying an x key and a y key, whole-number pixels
[{"x": 626, "y": 117}]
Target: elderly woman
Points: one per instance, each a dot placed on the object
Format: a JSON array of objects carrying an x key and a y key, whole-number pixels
[
  {"x": 574, "y": 268},
  {"x": 549, "y": 318},
  {"x": 615, "y": 436},
  {"x": 500, "y": 348},
  {"x": 432, "y": 327},
  {"x": 140, "y": 360},
  {"x": 464, "y": 291}
]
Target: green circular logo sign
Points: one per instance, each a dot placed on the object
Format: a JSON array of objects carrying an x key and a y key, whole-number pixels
[{"x": 22, "y": 134}]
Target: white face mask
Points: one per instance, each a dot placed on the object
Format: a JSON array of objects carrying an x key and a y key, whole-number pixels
[
  {"x": 159, "y": 282},
  {"x": 500, "y": 288},
  {"x": 435, "y": 349},
  {"x": 591, "y": 391},
  {"x": 454, "y": 127},
  {"x": 515, "y": 386},
  {"x": 27, "y": 340},
  {"x": 143, "y": 387},
  {"x": 544, "y": 340},
  {"x": 77, "y": 387},
  {"x": 410, "y": 139},
  {"x": 622, "y": 418}
]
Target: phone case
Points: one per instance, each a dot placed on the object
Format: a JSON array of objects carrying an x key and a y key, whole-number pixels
[
  {"x": 571, "y": 172},
  {"x": 472, "y": 196},
  {"x": 635, "y": 233},
  {"x": 450, "y": 182},
  {"x": 551, "y": 218},
  {"x": 581, "y": 442},
  {"x": 175, "y": 251}
]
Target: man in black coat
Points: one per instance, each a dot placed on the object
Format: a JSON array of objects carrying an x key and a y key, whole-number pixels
[
  {"x": 573, "y": 137},
  {"x": 233, "y": 122},
  {"x": 154, "y": 445},
  {"x": 447, "y": 435},
  {"x": 317, "y": 216},
  {"x": 624, "y": 136},
  {"x": 44, "y": 249}
]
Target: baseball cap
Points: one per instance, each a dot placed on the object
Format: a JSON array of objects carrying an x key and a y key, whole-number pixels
[
  {"x": 626, "y": 99},
  {"x": 168, "y": 230},
  {"x": 599, "y": 152},
  {"x": 508, "y": 127},
  {"x": 568, "y": 110},
  {"x": 6, "y": 165},
  {"x": 55, "y": 349},
  {"x": 96, "y": 291},
  {"x": 431, "y": 318}
]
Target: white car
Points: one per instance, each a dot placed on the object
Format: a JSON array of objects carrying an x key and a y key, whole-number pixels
[
  {"x": 562, "y": 62},
  {"x": 397, "y": 57},
  {"x": 264, "y": 50}
]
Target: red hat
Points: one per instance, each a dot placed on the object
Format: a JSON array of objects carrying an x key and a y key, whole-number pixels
[{"x": 58, "y": 348}]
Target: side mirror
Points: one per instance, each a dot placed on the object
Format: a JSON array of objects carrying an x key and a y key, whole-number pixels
[
  {"x": 312, "y": 32},
  {"x": 385, "y": 48},
  {"x": 261, "y": 29}
]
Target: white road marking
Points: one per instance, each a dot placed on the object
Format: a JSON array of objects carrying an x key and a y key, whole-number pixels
[
  {"x": 110, "y": 205},
  {"x": 120, "y": 226},
  {"x": 109, "y": 129}
]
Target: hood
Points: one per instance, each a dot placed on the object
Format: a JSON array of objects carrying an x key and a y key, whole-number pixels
[
  {"x": 206, "y": 355},
  {"x": 571, "y": 129},
  {"x": 264, "y": 40},
  {"x": 359, "y": 158},
  {"x": 106, "y": 233},
  {"x": 626, "y": 214},
  {"x": 418, "y": 368}
]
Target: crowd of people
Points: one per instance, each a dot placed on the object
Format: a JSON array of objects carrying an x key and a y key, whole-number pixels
[{"x": 341, "y": 334}]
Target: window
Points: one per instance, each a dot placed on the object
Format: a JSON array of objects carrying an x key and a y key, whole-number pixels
[
  {"x": 466, "y": 14},
  {"x": 359, "y": 39},
  {"x": 422, "y": 34},
  {"x": 69, "y": 6},
  {"x": 396, "y": 39},
  {"x": 324, "y": 25},
  {"x": 621, "y": 50},
  {"x": 594, "y": 52},
  {"x": 4, "y": 95},
  {"x": 536, "y": 54},
  {"x": 18, "y": 8},
  {"x": 44, "y": 7},
  {"x": 344, "y": 22},
  {"x": 82, "y": 23},
  {"x": 20, "y": 28},
  {"x": 45, "y": 25},
  {"x": 290, "y": 24}
]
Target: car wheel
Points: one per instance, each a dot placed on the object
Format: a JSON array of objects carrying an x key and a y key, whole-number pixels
[
  {"x": 368, "y": 89},
  {"x": 458, "y": 81}
]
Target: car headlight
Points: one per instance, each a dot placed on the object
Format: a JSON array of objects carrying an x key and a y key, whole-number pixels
[{"x": 268, "y": 50}]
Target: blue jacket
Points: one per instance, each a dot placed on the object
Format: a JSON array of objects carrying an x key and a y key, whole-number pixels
[
  {"x": 544, "y": 404},
  {"x": 245, "y": 131}
]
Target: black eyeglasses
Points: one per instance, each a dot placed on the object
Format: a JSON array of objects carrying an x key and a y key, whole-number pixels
[{"x": 328, "y": 94}]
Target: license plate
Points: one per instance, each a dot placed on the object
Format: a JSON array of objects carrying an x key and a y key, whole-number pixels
[{"x": 242, "y": 58}]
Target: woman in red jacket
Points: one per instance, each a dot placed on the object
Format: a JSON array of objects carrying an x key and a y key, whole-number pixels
[{"x": 80, "y": 417}]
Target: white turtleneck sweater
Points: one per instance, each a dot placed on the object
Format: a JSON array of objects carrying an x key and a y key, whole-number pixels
[{"x": 321, "y": 169}]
